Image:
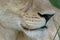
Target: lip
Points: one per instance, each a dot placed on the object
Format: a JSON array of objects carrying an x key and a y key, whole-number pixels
[{"x": 43, "y": 27}]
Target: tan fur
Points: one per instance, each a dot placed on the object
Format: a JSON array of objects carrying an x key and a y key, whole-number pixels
[{"x": 27, "y": 8}]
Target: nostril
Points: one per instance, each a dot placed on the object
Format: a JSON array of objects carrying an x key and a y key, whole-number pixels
[
  {"x": 40, "y": 14},
  {"x": 46, "y": 16}
]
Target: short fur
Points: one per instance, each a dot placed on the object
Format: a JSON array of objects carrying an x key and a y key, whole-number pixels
[{"x": 11, "y": 18}]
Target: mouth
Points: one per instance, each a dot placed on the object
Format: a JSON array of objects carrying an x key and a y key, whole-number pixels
[{"x": 43, "y": 27}]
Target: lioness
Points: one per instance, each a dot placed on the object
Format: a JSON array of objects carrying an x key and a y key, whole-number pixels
[{"x": 32, "y": 17}]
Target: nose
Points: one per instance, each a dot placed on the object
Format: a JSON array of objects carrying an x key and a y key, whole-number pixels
[{"x": 46, "y": 16}]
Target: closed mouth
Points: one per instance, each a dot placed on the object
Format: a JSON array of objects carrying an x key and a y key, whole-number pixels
[{"x": 44, "y": 27}]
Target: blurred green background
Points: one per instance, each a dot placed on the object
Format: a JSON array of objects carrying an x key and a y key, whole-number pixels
[{"x": 55, "y": 3}]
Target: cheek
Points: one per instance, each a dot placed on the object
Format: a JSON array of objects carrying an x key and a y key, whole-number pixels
[
  {"x": 10, "y": 22},
  {"x": 36, "y": 24}
]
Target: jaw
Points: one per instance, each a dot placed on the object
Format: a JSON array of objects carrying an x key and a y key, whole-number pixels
[{"x": 37, "y": 34}]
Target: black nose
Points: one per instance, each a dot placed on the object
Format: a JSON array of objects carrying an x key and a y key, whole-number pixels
[{"x": 46, "y": 16}]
